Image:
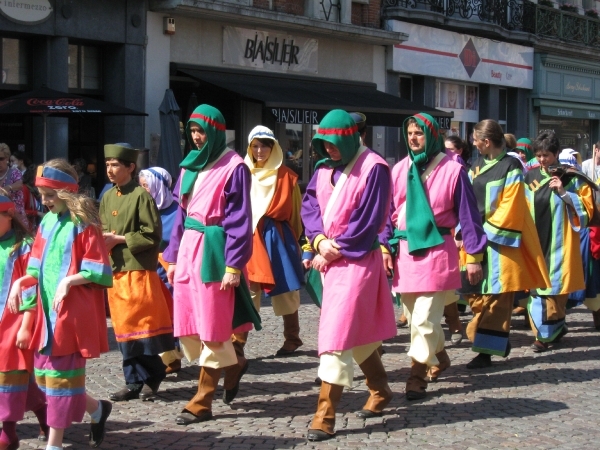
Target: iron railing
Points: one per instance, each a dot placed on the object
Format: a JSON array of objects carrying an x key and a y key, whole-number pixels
[{"x": 513, "y": 15}]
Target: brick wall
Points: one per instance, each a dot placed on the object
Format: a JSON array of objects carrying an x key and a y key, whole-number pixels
[
  {"x": 295, "y": 7},
  {"x": 367, "y": 15},
  {"x": 262, "y": 4}
]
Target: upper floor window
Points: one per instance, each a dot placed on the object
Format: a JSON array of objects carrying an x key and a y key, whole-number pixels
[
  {"x": 85, "y": 67},
  {"x": 15, "y": 62}
]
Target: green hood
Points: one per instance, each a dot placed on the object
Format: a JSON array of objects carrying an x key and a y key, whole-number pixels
[
  {"x": 338, "y": 128},
  {"x": 213, "y": 123}
]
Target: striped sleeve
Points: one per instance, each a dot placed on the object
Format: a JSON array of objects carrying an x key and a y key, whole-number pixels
[{"x": 95, "y": 265}]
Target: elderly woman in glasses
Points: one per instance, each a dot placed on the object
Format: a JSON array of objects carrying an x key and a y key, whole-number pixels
[{"x": 11, "y": 180}]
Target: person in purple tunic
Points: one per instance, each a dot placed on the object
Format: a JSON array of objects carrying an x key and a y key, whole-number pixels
[
  {"x": 211, "y": 296},
  {"x": 343, "y": 210}
]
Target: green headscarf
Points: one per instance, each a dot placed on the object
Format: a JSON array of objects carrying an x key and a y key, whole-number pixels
[
  {"x": 421, "y": 230},
  {"x": 338, "y": 128},
  {"x": 524, "y": 145},
  {"x": 213, "y": 123}
]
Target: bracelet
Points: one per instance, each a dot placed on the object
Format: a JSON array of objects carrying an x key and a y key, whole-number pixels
[{"x": 564, "y": 195}]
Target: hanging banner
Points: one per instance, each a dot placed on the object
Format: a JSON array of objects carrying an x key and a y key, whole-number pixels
[{"x": 269, "y": 51}]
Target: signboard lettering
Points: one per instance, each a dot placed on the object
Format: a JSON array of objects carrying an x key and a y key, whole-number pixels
[
  {"x": 565, "y": 112},
  {"x": 445, "y": 123},
  {"x": 273, "y": 51},
  {"x": 292, "y": 115},
  {"x": 26, "y": 11}
]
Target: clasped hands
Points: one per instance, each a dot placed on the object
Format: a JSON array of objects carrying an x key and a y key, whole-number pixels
[{"x": 328, "y": 252}]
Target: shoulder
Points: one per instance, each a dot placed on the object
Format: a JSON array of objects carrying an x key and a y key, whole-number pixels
[{"x": 286, "y": 172}]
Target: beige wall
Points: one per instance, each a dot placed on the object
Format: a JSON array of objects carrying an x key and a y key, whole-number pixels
[{"x": 201, "y": 42}]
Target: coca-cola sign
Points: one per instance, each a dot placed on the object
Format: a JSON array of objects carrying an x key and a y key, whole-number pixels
[
  {"x": 26, "y": 11},
  {"x": 55, "y": 102}
]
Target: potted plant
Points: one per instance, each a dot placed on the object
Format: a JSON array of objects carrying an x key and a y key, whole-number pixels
[
  {"x": 547, "y": 3},
  {"x": 568, "y": 7},
  {"x": 591, "y": 13}
]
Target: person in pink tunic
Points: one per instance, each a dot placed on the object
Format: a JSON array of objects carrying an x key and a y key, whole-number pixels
[
  {"x": 343, "y": 210},
  {"x": 432, "y": 195},
  {"x": 211, "y": 296}
]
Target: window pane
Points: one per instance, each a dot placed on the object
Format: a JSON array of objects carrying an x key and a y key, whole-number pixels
[
  {"x": 73, "y": 65},
  {"x": 14, "y": 61},
  {"x": 502, "y": 106},
  {"x": 91, "y": 78}
]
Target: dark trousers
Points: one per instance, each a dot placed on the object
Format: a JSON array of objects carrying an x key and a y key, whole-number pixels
[{"x": 143, "y": 368}]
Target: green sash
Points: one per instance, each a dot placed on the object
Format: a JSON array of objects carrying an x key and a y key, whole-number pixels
[
  {"x": 213, "y": 270},
  {"x": 314, "y": 283}
]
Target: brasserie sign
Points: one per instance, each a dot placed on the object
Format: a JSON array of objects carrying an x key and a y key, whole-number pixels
[
  {"x": 271, "y": 51},
  {"x": 26, "y": 11}
]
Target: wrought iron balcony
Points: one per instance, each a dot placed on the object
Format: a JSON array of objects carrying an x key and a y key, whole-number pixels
[{"x": 511, "y": 15}]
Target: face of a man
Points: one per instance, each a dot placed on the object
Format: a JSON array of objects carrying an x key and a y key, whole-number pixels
[
  {"x": 118, "y": 173},
  {"x": 333, "y": 151},
  {"x": 198, "y": 135},
  {"x": 416, "y": 138}
]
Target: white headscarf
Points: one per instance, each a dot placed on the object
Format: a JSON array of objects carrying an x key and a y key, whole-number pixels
[
  {"x": 159, "y": 182},
  {"x": 263, "y": 178}
]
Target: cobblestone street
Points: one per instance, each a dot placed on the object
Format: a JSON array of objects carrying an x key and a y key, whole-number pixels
[{"x": 548, "y": 400}]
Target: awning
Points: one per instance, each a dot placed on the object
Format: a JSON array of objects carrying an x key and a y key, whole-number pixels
[
  {"x": 301, "y": 100},
  {"x": 567, "y": 110}
]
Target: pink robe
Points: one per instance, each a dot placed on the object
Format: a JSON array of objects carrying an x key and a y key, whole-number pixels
[
  {"x": 202, "y": 309},
  {"x": 438, "y": 269},
  {"x": 357, "y": 305}
]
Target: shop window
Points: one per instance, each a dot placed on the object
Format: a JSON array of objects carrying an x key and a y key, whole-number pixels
[
  {"x": 15, "y": 62},
  {"x": 405, "y": 88},
  {"x": 502, "y": 107},
  {"x": 85, "y": 67}
]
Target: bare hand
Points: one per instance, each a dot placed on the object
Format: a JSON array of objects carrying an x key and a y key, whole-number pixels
[
  {"x": 61, "y": 292},
  {"x": 23, "y": 338},
  {"x": 388, "y": 263},
  {"x": 319, "y": 263},
  {"x": 474, "y": 273},
  {"x": 110, "y": 239},
  {"x": 14, "y": 298},
  {"x": 556, "y": 184},
  {"x": 171, "y": 273},
  {"x": 306, "y": 263},
  {"x": 329, "y": 250},
  {"x": 230, "y": 280}
]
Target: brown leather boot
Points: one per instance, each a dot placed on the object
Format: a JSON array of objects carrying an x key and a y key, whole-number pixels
[
  {"x": 199, "y": 408},
  {"x": 291, "y": 333},
  {"x": 377, "y": 382},
  {"x": 452, "y": 318},
  {"x": 234, "y": 373},
  {"x": 596, "y": 317},
  {"x": 443, "y": 364},
  {"x": 323, "y": 424},
  {"x": 416, "y": 383}
]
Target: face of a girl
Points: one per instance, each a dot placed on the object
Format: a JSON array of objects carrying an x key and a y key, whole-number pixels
[
  {"x": 5, "y": 223},
  {"x": 144, "y": 183},
  {"x": 260, "y": 152},
  {"x": 51, "y": 201},
  {"x": 545, "y": 158},
  {"x": 450, "y": 146}
]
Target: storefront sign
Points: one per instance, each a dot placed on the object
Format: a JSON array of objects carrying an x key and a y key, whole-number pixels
[
  {"x": 26, "y": 11},
  {"x": 439, "y": 53},
  {"x": 569, "y": 113},
  {"x": 275, "y": 52},
  {"x": 292, "y": 115},
  {"x": 445, "y": 123},
  {"x": 577, "y": 86}
]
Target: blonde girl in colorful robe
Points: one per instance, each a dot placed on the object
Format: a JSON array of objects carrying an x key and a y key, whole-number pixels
[
  {"x": 69, "y": 264},
  {"x": 275, "y": 265},
  {"x": 344, "y": 208},
  {"x": 560, "y": 211},
  {"x": 513, "y": 260},
  {"x": 18, "y": 390}
]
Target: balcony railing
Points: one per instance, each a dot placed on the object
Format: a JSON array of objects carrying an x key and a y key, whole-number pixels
[{"x": 512, "y": 15}]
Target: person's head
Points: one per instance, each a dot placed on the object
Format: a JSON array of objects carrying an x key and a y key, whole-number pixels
[
  {"x": 206, "y": 131},
  {"x": 121, "y": 162},
  {"x": 361, "y": 123},
  {"x": 458, "y": 146},
  {"x": 4, "y": 157},
  {"x": 19, "y": 160},
  {"x": 9, "y": 220},
  {"x": 471, "y": 97},
  {"x": 422, "y": 134},
  {"x": 452, "y": 95},
  {"x": 57, "y": 181},
  {"x": 80, "y": 165},
  {"x": 511, "y": 141},
  {"x": 157, "y": 182},
  {"x": 546, "y": 147},
  {"x": 524, "y": 149},
  {"x": 488, "y": 136},
  {"x": 337, "y": 139},
  {"x": 263, "y": 150}
]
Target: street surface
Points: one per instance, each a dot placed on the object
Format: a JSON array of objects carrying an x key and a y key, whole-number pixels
[{"x": 543, "y": 401}]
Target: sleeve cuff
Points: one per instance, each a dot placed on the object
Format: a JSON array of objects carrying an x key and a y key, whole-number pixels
[
  {"x": 317, "y": 241},
  {"x": 384, "y": 249},
  {"x": 477, "y": 258},
  {"x": 232, "y": 270}
]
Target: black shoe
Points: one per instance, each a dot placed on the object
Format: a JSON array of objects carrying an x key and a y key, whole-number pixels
[
  {"x": 508, "y": 349},
  {"x": 318, "y": 381},
  {"x": 416, "y": 395},
  {"x": 97, "y": 429},
  {"x": 540, "y": 347},
  {"x": 481, "y": 361},
  {"x": 318, "y": 435},
  {"x": 129, "y": 392},
  {"x": 187, "y": 418},
  {"x": 148, "y": 392},
  {"x": 367, "y": 414},
  {"x": 230, "y": 394},
  {"x": 562, "y": 333},
  {"x": 285, "y": 352}
]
